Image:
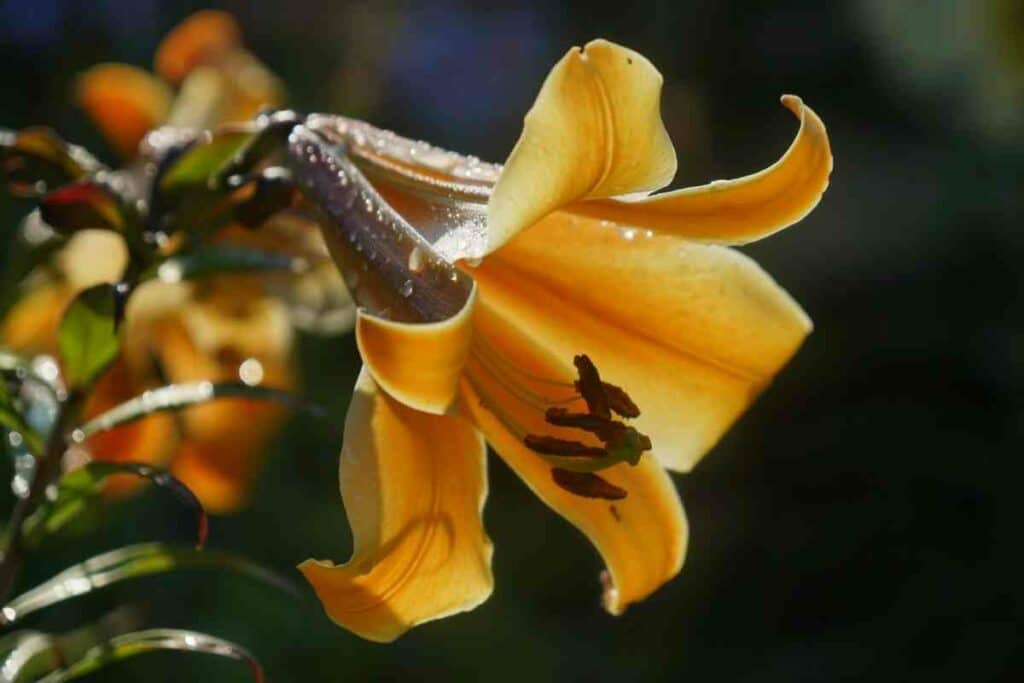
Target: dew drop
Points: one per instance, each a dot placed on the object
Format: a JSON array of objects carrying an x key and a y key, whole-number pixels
[{"x": 417, "y": 261}]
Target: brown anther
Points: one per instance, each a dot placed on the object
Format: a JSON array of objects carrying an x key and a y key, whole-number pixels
[
  {"x": 602, "y": 428},
  {"x": 549, "y": 445},
  {"x": 590, "y": 387},
  {"x": 619, "y": 401},
  {"x": 587, "y": 484}
]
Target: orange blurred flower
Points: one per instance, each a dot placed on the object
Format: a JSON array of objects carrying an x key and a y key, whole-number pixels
[
  {"x": 226, "y": 328},
  {"x": 216, "y": 329},
  {"x": 218, "y": 81}
]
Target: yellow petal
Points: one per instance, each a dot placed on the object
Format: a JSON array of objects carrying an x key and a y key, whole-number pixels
[
  {"x": 741, "y": 210},
  {"x": 692, "y": 332},
  {"x": 203, "y": 99},
  {"x": 413, "y": 485},
  {"x": 418, "y": 364},
  {"x": 595, "y": 130},
  {"x": 199, "y": 38},
  {"x": 641, "y": 538},
  {"x": 124, "y": 102}
]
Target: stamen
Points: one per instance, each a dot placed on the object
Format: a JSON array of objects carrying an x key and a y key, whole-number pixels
[
  {"x": 620, "y": 442},
  {"x": 587, "y": 484},
  {"x": 491, "y": 405},
  {"x": 521, "y": 391},
  {"x": 620, "y": 402},
  {"x": 598, "y": 426},
  {"x": 550, "y": 445},
  {"x": 590, "y": 387}
]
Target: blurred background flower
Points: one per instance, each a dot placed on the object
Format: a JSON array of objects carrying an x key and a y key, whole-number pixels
[
  {"x": 227, "y": 328},
  {"x": 858, "y": 522}
]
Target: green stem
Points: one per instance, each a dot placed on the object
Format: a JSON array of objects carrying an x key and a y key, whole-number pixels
[{"x": 48, "y": 469}]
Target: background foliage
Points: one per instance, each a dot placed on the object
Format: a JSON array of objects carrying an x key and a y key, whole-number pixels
[{"x": 858, "y": 522}]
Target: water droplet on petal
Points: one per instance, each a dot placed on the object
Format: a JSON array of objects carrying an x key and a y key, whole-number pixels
[{"x": 417, "y": 261}]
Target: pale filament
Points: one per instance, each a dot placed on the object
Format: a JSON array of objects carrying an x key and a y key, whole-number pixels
[{"x": 519, "y": 383}]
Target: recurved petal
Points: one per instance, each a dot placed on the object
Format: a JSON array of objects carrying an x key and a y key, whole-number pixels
[
  {"x": 692, "y": 332},
  {"x": 124, "y": 102},
  {"x": 642, "y": 538},
  {"x": 418, "y": 364},
  {"x": 741, "y": 210},
  {"x": 413, "y": 486},
  {"x": 595, "y": 130}
]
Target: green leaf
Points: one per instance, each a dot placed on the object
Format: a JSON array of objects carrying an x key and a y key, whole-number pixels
[
  {"x": 132, "y": 562},
  {"x": 273, "y": 133},
  {"x": 202, "y": 162},
  {"x": 215, "y": 259},
  {"x": 84, "y": 205},
  {"x": 177, "y": 396},
  {"x": 87, "y": 337},
  {"x": 78, "y": 488},
  {"x": 11, "y": 419},
  {"x": 269, "y": 192},
  {"x": 13, "y": 364},
  {"x": 27, "y": 656},
  {"x": 36, "y": 160},
  {"x": 129, "y": 645}
]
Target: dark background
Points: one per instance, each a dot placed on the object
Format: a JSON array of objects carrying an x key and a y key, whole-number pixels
[{"x": 861, "y": 522}]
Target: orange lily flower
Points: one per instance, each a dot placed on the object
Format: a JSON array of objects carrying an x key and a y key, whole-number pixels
[{"x": 495, "y": 283}]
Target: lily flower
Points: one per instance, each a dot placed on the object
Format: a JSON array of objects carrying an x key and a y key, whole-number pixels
[{"x": 593, "y": 334}]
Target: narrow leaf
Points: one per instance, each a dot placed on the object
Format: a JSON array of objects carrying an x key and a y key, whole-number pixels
[
  {"x": 130, "y": 645},
  {"x": 271, "y": 137},
  {"x": 177, "y": 396},
  {"x": 87, "y": 337},
  {"x": 12, "y": 419},
  {"x": 201, "y": 162},
  {"x": 36, "y": 160},
  {"x": 131, "y": 562},
  {"x": 81, "y": 206},
  {"x": 79, "y": 487},
  {"x": 27, "y": 656}
]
